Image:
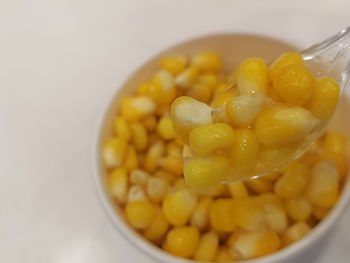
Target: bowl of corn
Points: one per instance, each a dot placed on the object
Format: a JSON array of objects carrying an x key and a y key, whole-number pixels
[{"x": 139, "y": 166}]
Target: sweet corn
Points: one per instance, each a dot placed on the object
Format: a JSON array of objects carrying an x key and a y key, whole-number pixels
[
  {"x": 335, "y": 143},
  {"x": 172, "y": 164},
  {"x": 252, "y": 76},
  {"x": 323, "y": 187},
  {"x": 218, "y": 190},
  {"x": 225, "y": 86},
  {"x": 122, "y": 128},
  {"x": 131, "y": 161},
  {"x": 298, "y": 209},
  {"x": 244, "y": 152},
  {"x": 243, "y": 109},
  {"x": 136, "y": 193},
  {"x": 200, "y": 91},
  {"x": 249, "y": 213},
  {"x": 293, "y": 181},
  {"x": 231, "y": 240},
  {"x": 294, "y": 84},
  {"x": 182, "y": 241},
  {"x": 280, "y": 125},
  {"x": 259, "y": 185},
  {"x": 238, "y": 190},
  {"x": 156, "y": 189},
  {"x": 200, "y": 216},
  {"x": 178, "y": 207},
  {"x": 188, "y": 113},
  {"x": 273, "y": 157},
  {"x": 207, "y": 62},
  {"x": 320, "y": 212},
  {"x": 136, "y": 108},
  {"x": 118, "y": 184},
  {"x": 140, "y": 213},
  {"x": 113, "y": 152},
  {"x": 154, "y": 153},
  {"x": 209, "y": 79},
  {"x": 295, "y": 233},
  {"x": 139, "y": 136},
  {"x": 163, "y": 90},
  {"x": 207, "y": 247},
  {"x": 272, "y": 176},
  {"x": 339, "y": 160},
  {"x": 223, "y": 255},
  {"x": 158, "y": 228},
  {"x": 174, "y": 64},
  {"x": 257, "y": 244},
  {"x": 188, "y": 77},
  {"x": 150, "y": 123},
  {"x": 165, "y": 128},
  {"x": 206, "y": 171},
  {"x": 174, "y": 149},
  {"x": 222, "y": 216},
  {"x": 144, "y": 89},
  {"x": 325, "y": 98},
  {"x": 169, "y": 177},
  {"x": 180, "y": 184},
  {"x": 285, "y": 60},
  {"x": 139, "y": 177},
  {"x": 221, "y": 99}
]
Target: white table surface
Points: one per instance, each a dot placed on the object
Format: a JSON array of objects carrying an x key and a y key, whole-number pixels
[{"x": 60, "y": 61}]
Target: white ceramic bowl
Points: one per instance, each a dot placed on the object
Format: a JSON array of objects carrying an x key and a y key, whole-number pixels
[{"x": 234, "y": 48}]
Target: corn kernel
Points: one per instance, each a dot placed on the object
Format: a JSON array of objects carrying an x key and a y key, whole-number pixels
[
  {"x": 325, "y": 98},
  {"x": 272, "y": 176},
  {"x": 158, "y": 228},
  {"x": 131, "y": 161},
  {"x": 150, "y": 123},
  {"x": 165, "y": 128},
  {"x": 221, "y": 99},
  {"x": 238, "y": 190},
  {"x": 230, "y": 242},
  {"x": 295, "y": 233},
  {"x": 249, "y": 213},
  {"x": 222, "y": 215},
  {"x": 200, "y": 216},
  {"x": 320, "y": 212},
  {"x": 122, "y": 128},
  {"x": 140, "y": 213},
  {"x": 284, "y": 60},
  {"x": 218, "y": 190},
  {"x": 243, "y": 109},
  {"x": 154, "y": 153},
  {"x": 144, "y": 89},
  {"x": 186, "y": 78},
  {"x": 169, "y": 177},
  {"x": 172, "y": 164},
  {"x": 323, "y": 187},
  {"x": 280, "y": 125},
  {"x": 178, "y": 207},
  {"x": 139, "y": 177},
  {"x": 180, "y": 184},
  {"x": 252, "y": 76},
  {"x": 139, "y": 136},
  {"x": 207, "y": 247},
  {"x": 113, "y": 152},
  {"x": 245, "y": 150},
  {"x": 335, "y": 143},
  {"x": 207, "y": 62},
  {"x": 223, "y": 255},
  {"x": 210, "y": 79},
  {"x": 298, "y": 209},
  {"x": 182, "y": 241},
  {"x": 259, "y": 185},
  {"x": 294, "y": 84},
  {"x": 293, "y": 181},
  {"x": 118, "y": 184},
  {"x": 136, "y": 193},
  {"x": 200, "y": 91},
  {"x": 206, "y": 171},
  {"x": 174, "y": 64},
  {"x": 136, "y": 108},
  {"x": 163, "y": 90},
  {"x": 156, "y": 189},
  {"x": 174, "y": 149},
  {"x": 338, "y": 159}
]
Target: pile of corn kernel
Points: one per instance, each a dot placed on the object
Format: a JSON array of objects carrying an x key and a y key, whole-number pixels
[{"x": 221, "y": 223}]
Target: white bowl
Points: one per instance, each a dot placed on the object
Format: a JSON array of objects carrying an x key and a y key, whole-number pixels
[{"x": 234, "y": 48}]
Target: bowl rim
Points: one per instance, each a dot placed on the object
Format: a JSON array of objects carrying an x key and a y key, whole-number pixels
[{"x": 158, "y": 254}]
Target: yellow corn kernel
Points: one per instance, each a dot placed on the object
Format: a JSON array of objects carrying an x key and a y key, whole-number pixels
[
  {"x": 158, "y": 228},
  {"x": 249, "y": 213},
  {"x": 156, "y": 189},
  {"x": 144, "y": 89},
  {"x": 186, "y": 78},
  {"x": 280, "y": 125},
  {"x": 221, "y": 99},
  {"x": 163, "y": 90},
  {"x": 275, "y": 213},
  {"x": 207, "y": 62},
  {"x": 339, "y": 160},
  {"x": 136, "y": 193},
  {"x": 243, "y": 109},
  {"x": 182, "y": 241},
  {"x": 320, "y": 212},
  {"x": 136, "y": 108},
  {"x": 259, "y": 185},
  {"x": 206, "y": 171},
  {"x": 169, "y": 177},
  {"x": 174, "y": 64},
  {"x": 139, "y": 177},
  {"x": 113, "y": 152},
  {"x": 223, "y": 255},
  {"x": 323, "y": 187},
  {"x": 150, "y": 123},
  {"x": 200, "y": 91},
  {"x": 238, "y": 190},
  {"x": 222, "y": 215},
  {"x": 209, "y": 138},
  {"x": 218, "y": 190},
  {"x": 178, "y": 207},
  {"x": 272, "y": 176},
  {"x": 172, "y": 164},
  {"x": 325, "y": 98},
  {"x": 200, "y": 216},
  {"x": 154, "y": 153},
  {"x": 131, "y": 161},
  {"x": 285, "y": 60},
  {"x": 272, "y": 93},
  {"x": 122, "y": 128},
  {"x": 209, "y": 79},
  {"x": 295, "y": 233},
  {"x": 174, "y": 149},
  {"x": 140, "y": 213},
  {"x": 223, "y": 87},
  {"x": 165, "y": 128},
  {"x": 294, "y": 84},
  {"x": 188, "y": 113},
  {"x": 207, "y": 247},
  {"x": 252, "y": 76},
  {"x": 139, "y": 136},
  {"x": 118, "y": 184},
  {"x": 293, "y": 181},
  {"x": 257, "y": 244},
  {"x": 180, "y": 184},
  {"x": 335, "y": 143},
  {"x": 299, "y": 209},
  {"x": 231, "y": 240},
  {"x": 244, "y": 152}
]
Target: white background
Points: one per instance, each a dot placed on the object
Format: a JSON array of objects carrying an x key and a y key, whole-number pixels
[{"x": 60, "y": 62}]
